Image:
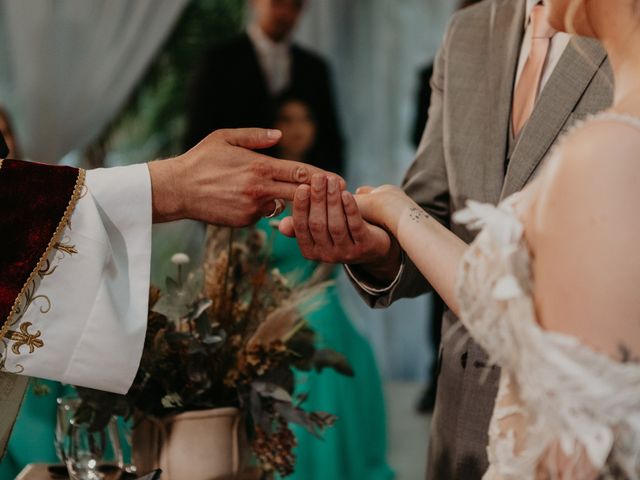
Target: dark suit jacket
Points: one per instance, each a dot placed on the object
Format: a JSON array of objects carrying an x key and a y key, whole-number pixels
[
  {"x": 462, "y": 156},
  {"x": 423, "y": 103},
  {"x": 4, "y": 149},
  {"x": 230, "y": 91}
]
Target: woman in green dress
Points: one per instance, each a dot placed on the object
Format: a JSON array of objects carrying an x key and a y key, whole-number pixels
[{"x": 355, "y": 447}]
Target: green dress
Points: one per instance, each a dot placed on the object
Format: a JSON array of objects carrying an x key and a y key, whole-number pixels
[
  {"x": 33, "y": 434},
  {"x": 355, "y": 447}
]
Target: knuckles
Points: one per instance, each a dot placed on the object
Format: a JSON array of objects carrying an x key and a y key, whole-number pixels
[
  {"x": 254, "y": 191},
  {"x": 337, "y": 232},
  {"x": 301, "y": 175},
  {"x": 260, "y": 169},
  {"x": 316, "y": 226}
]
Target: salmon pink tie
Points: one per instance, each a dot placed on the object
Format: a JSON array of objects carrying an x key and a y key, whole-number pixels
[{"x": 527, "y": 89}]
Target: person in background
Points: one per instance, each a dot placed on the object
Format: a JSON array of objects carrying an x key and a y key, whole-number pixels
[
  {"x": 238, "y": 83},
  {"x": 300, "y": 128},
  {"x": 428, "y": 399},
  {"x": 355, "y": 448}
]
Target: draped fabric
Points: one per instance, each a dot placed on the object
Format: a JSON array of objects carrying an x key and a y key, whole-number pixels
[
  {"x": 376, "y": 49},
  {"x": 67, "y": 67},
  {"x": 35, "y": 204}
]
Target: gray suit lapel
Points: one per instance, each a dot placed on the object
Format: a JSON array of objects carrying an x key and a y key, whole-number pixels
[
  {"x": 506, "y": 31},
  {"x": 573, "y": 74}
]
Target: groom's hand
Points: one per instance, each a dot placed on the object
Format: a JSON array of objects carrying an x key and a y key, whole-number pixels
[
  {"x": 222, "y": 181},
  {"x": 329, "y": 228}
]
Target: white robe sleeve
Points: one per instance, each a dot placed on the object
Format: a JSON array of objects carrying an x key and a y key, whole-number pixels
[{"x": 83, "y": 321}]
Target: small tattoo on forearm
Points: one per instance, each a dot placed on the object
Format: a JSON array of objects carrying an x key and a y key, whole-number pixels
[{"x": 417, "y": 214}]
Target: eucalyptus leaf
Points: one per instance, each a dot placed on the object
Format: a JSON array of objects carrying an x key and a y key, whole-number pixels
[
  {"x": 293, "y": 414},
  {"x": 198, "y": 308},
  {"x": 261, "y": 417},
  {"x": 173, "y": 287},
  {"x": 171, "y": 307},
  {"x": 270, "y": 390},
  {"x": 201, "y": 318}
]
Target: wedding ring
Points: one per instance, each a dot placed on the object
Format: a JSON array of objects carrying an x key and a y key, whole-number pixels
[{"x": 279, "y": 208}]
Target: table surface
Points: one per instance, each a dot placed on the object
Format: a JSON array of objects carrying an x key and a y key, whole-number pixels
[{"x": 40, "y": 471}]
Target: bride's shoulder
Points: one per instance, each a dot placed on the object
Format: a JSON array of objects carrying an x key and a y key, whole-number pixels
[
  {"x": 595, "y": 168},
  {"x": 601, "y": 140}
]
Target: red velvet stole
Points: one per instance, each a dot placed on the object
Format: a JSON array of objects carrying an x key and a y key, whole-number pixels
[{"x": 36, "y": 202}]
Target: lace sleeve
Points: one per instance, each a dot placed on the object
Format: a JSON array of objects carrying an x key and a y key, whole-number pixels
[
  {"x": 523, "y": 447},
  {"x": 563, "y": 411}
]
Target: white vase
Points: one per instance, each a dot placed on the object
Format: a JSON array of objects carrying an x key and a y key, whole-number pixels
[{"x": 197, "y": 445}]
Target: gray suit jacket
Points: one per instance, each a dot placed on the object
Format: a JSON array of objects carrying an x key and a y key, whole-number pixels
[{"x": 465, "y": 155}]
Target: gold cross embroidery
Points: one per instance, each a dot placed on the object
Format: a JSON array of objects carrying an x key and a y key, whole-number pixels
[{"x": 25, "y": 338}]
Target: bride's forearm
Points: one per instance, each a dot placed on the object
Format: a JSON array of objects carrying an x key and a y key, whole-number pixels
[{"x": 434, "y": 249}]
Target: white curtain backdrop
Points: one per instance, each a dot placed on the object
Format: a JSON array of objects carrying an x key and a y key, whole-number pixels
[
  {"x": 67, "y": 67},
  {"x": 376, "y": 48}
]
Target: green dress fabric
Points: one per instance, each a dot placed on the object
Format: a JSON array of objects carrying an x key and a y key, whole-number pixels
[
  {"x": 33, "y": 434},
  {"x": 32, "y": 439},
  {"x": 355, "y": 448}
]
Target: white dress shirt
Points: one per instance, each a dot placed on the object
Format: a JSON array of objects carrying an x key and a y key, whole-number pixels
[
  {"x": 559, "y": 43},
  {"x": 85, "y": 321},
  {"x": 274, "y": 59}
]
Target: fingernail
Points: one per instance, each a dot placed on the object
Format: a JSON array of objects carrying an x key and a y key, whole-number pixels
[
  {"x": 303, "y": 193},
  {"x": 274, "y": 134},
  {"x": 317, "y": 182},
  {"x": 345, "y": 197},
  {"x": 333, "y": 185}
]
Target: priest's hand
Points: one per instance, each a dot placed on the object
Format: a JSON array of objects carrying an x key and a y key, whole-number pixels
[{"x": 222, "y": 181}]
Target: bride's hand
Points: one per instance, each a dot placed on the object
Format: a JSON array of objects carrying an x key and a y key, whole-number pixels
[{"x": 383, "y": 206}]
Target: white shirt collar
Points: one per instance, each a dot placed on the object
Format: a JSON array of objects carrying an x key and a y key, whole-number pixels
[{"x": 263, "y": 42}]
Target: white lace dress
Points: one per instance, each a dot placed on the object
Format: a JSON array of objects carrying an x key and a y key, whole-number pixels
[{"x": 563, "y": 411}]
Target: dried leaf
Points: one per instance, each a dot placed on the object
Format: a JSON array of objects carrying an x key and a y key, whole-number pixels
[
  {"x": 270, "y": 390},
  {"x": 172, "y": 400},
  {"x": 327, "y": 358}
]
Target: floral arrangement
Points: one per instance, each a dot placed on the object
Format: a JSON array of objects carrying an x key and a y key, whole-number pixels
[{"x": 230, "y": 333}]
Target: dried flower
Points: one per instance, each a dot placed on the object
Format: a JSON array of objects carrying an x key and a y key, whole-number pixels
[
  {"x": 180, "y": 259},
  {"x": 275, "y": 451},
  {"x": 230, "y": 335}
]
